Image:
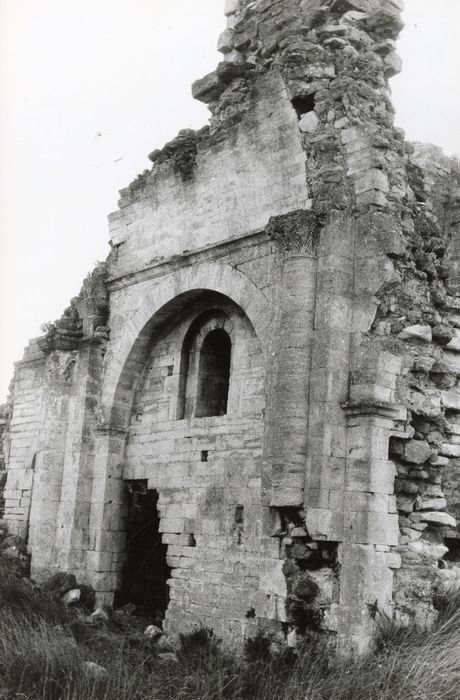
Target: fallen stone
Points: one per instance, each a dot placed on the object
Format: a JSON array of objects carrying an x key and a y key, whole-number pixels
[
  {"x": 417, "y": 332},
  {"x": 168, "y": 657},
  {"x": 291, "y": 639},
  {"x": 309, "y": 122},
  {"x": 163, "y": 644},
  {"x": 71, "y": 597},
  {"x": 436, "y": 518},
  {"x": 99, "y": 615},
  {"x": 95, "y": 671},
  {"x": 153, "y": 632}
]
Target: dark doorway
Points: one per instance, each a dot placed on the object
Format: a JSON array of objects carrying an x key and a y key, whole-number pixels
[{"x": 145, "y": 572}]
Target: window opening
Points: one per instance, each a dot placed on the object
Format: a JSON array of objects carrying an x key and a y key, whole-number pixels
[
  {"x": 213, "y": 374},
  {"x": 204, "y": 455}
]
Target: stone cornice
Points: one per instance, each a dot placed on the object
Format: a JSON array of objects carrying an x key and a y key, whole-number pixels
[{"x": 162, "y": 267}]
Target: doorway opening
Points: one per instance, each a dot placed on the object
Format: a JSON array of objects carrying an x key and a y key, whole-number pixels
[{"x": 145, "y": 572}]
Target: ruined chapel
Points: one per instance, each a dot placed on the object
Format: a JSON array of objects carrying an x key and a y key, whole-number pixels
[{"x": 249, "y": 418}]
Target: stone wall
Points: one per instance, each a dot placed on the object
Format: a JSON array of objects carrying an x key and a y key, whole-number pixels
[
  {"x": 301, "y": 223},
  {"x": 4, "y": 415}
]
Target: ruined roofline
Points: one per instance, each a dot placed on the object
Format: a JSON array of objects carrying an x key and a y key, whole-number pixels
[{"x": 302, "y": 39}]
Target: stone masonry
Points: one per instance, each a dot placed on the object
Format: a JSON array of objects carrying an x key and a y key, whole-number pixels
[{"x": 272, "y": 348}]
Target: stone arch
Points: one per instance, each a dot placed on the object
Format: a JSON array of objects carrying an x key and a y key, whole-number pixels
[{"x": 161, "y": 301}]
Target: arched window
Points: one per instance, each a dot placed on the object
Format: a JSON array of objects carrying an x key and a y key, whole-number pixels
[{"x": 213, "y": 374}]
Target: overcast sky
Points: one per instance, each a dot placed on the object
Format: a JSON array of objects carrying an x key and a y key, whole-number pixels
[{"x": 89, "y": 87}]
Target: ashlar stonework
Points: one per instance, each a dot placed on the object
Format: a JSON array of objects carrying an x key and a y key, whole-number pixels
[{"x": 249, "y": 418}]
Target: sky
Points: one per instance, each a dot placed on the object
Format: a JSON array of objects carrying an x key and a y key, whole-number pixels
[{"x": 89, "y": 87}]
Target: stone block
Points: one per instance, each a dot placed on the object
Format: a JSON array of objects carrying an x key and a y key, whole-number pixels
[
  {"x": 225, "y": 41},
  {"x": 370, "y": 475},
  {"x": 393, "y": 560},
  {"x": 371, "y": 528},
  {"x": 451, "y": 400},
  {"x": 412, "y": 451},
  {"x": 371, "y": 180},
  {"x": 437, "y": 518},
  {"x": 430, "y": 503},
  {"x": 417, "y": 332},
  {"x": 450, "y": 450},
  {"x": 324, "y": 523},
  {"x": 454, "y": 344},
  {"x": 365, "y": 502},
  {"x": 309, "y": 122},
  {"x": 207, "y": 89}
]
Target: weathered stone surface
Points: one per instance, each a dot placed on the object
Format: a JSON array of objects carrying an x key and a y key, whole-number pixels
[
  {"x": 268, "y": 356},
  {"x": 431, "y": 503},
  {"x": 417, "y": 332},
  {"x": 437, "y": 518},
  {"x": 412, "y": 451},
  {"x": 153, "y": 632},
  {"x": 208, "y": 88},
  {"x": 225, "y": 42},
  {"x": 450, "y": 450},
  {"x": 71, "y": 597},
  {"x": 309, "y": 122}
]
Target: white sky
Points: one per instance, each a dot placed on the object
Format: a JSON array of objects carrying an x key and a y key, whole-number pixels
[{"x": 89, "y": 87}]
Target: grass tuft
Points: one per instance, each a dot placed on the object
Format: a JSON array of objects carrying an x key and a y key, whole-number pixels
[{"x": 42, "y": 658}]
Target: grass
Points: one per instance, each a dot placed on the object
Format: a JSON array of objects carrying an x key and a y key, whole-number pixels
[{"x": 40, "y": 660}]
